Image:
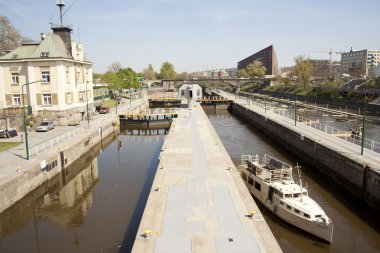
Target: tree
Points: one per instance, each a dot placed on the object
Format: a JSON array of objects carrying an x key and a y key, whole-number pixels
[
  {"x": 10, "y": 38},
  {"x": 242, "y": 73},
  {"x": 256, "y": 69},
  {"x": 127, "y": 78},
  {"x": 115, "y": 66},
  {"x": 111, "y": 79},
  {"x": 149, "y": 73},
  {"x": 167, "y": 71},
  {"x": 303, "y": 69},
  {"x": 182, "y": 76}
]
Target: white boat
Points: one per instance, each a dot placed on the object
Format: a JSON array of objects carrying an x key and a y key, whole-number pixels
[{"x": 271, "y": 182}]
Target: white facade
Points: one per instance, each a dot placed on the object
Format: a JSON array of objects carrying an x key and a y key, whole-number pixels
[
  {"x": 359, "y": 63},
  {"x": 190, "y": 91},
  {"x": 60, "y": 81}
]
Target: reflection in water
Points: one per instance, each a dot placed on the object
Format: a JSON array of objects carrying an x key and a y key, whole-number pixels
[
  {"x": 356, "y": 229},
  {"x": 94, "y": 206}
]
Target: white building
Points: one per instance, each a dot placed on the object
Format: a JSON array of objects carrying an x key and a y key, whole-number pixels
[
  {"x": 190, "y": 91},
  {"x": 360, "y": 62},
  {"x": 60, "y": 77}
]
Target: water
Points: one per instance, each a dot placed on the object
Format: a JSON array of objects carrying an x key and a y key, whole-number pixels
[
  {"x": 356, "y": 229},
  {"x": 98, "y": 204},
  {"x": 95, "y": 207}
]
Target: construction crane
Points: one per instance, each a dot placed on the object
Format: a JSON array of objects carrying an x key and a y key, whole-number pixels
[{"x": 331, "y": 52}]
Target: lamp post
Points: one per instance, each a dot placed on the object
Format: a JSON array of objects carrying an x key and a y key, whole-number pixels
[
  {"x": 363, "y": 132},
  {"x": 88, "y": 116},
  {"x": 295, "y": 111},
  {"x": 25, "y": 128}
]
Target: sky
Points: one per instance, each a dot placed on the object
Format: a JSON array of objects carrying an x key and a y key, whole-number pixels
[{"x": 196, "y": 35}]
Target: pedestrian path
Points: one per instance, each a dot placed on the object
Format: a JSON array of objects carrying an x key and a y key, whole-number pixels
[{"x": 198, "y": 202}]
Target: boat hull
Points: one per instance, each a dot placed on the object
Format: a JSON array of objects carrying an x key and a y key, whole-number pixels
[{"x": 318, "y": 229}]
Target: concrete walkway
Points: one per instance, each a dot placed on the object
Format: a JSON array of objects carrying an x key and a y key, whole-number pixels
[
  {"x": 13, "y": 161},
  {"x": 340, "y": 145},
  {"x": 198, "y": 202}
]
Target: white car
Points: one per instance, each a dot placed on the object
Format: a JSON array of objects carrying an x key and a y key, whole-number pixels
[{"x": 45, "y": 126}]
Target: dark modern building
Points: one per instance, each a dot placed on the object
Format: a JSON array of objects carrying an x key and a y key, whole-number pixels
[{"x": 267, "y": 56}]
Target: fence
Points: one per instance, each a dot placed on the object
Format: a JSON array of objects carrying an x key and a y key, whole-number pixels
[
  {"x": 38, "y": 149},
  {"x": 341, "y": 134}
]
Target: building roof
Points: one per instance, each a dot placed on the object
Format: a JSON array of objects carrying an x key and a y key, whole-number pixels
[{"x": 52, "y": 47}]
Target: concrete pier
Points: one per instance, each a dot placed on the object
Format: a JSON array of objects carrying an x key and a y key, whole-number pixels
[
  {"x": 198, "y": 202},
  {"x": 338, "y": 159}
]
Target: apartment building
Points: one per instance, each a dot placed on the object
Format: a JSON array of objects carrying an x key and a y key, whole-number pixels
[
  {"x": 57, "y": 75},
  {"x": 359, "y": 62}
]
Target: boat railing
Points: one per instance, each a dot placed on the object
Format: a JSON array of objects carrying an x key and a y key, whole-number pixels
[{"x": 249, "y": 158}]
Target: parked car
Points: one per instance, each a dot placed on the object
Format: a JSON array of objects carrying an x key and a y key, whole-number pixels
[
  {"x": 45, "y": 126},
  {"x": 104, "y": 109}
]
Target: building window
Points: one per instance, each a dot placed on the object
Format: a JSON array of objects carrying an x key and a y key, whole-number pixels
[
  {"x": 46, "y": 99},
  {"x": 15, "y": 78},
  {"x": 45, "y": 76},
  {"x": 17, "y": 100}
]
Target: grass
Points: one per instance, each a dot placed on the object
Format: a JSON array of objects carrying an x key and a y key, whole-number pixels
[{"x": 7, "y": 145}]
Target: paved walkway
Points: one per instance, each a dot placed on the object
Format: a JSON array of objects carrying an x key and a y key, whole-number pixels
[
  {"x": 342, "y": 146},
  {"x": 198, "y": 202},
  {"x": 13, "y": 160}
]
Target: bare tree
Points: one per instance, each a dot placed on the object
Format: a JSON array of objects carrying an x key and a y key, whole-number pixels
[
  {"x": 149, "y": 73},
  {"x": 10, "y": 38},
  {"x": 115, "y": 67}
]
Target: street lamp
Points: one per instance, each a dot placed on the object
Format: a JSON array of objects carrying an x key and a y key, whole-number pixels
[
  {"x": 25, "y": 128},
  {"x": 295, "y": 111},
  {"x": 88, "y": 116},
  {"x": 363, "y": 132}
]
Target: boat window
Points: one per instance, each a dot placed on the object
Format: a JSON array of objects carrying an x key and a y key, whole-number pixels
[
  {"x": 257, "y": 186},
  {"x": 289, "y": 207},
  {"x": 297, "y": 211},
  {"x": 296, "y": 195},
  {"x": 244, "y": 176},
  {"x": 305, "y": 193},
  {"x": 281, "y": 194},
  {"x": 306, "y": 215},
  {"x": 250, "y": 181},
  {"x": 318, "y": 216},
  {"x": 288, "y": 195},
  {"x": 281, "y": 202}
]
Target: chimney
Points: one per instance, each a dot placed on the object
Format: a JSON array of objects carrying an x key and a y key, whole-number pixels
[
  {"x": 65, "y": 33},
  {"x": 43, "y": 36}
]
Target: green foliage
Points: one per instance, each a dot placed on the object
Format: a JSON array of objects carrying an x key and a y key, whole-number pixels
[
  {"x": 256, "y": 69},
  {"x": 242, "y": 73},
  {"x": 111, "y": 79},
  {"x": 127, "y": 78},
  {"x": 182, "y": 76},
  {"x": 285, "y": 88},
  {"x": 248, "y": 87},
  {"x": 7, "y": 145},
  {"x": 167, "y": 71},
  {"x": 303, "y": 69}
]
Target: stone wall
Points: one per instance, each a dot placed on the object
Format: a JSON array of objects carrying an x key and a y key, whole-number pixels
[{"x": 359, "y": 179}]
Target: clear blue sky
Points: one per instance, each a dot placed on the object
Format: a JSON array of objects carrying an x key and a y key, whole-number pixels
[{"x": 196, "y": 34}]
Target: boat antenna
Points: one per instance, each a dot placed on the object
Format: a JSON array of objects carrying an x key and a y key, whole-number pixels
[{"x": 299, "y": 175}]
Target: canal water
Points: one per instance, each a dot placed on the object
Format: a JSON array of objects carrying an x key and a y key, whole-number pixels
[
  {"x": 356, "y": 229},
  {"x": 95, "y": 206}
]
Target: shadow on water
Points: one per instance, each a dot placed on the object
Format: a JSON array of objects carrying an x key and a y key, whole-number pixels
[
  {"x": 352, "y": 217},
  {"x": 131, "y": 232}
]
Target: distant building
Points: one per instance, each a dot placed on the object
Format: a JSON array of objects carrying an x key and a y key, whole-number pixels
[
  {"x": 267, "y": 56},
  {"x": 321, "y": 68},
  {"x": 360, "y": 62},
  {"x": 63, "y": 73},
  {"x": 376, "y": 71}
]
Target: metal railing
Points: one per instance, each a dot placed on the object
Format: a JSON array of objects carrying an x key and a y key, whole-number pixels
[
  {"x": 341, "y": 134},
  {"x": 38, "y": 149}
]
